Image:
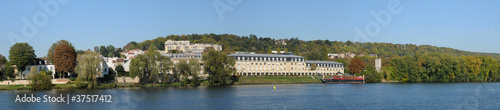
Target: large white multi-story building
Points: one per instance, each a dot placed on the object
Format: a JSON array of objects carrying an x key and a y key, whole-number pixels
[
  {"x": 282, "y": 64},
  {"x": 186, "y": 47}
]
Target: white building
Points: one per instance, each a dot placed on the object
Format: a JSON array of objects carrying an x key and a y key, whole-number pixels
[
  {"x": 186, "y": 47},
  {"x": 40, "y": 64},
  {"x": 333, "y": 55},
  {"x": 378, "y": 65},
  {"x": 112, "y": 62},
  {"x": 104, "y": 68},
  {"x": 282, "y": 64},
  {"x": 132, "y": 53}
]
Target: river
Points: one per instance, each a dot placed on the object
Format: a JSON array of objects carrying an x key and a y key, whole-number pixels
[{"x": 292, "y": 96}]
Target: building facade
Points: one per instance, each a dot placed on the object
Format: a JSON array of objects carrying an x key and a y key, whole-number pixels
[
  {"x": 175, "y": 58},
  {"x": 187, "y": 47},
  {"x": 282, "y": 64},
  {"x": 40, "y": 64},
  {"x": 132, "y": 53}
]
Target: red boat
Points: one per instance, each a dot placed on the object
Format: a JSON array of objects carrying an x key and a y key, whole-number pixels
[{"x": 344, "y": 79}]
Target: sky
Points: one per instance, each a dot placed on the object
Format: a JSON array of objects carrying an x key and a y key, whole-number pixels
[{"x": 461, "y": 24}]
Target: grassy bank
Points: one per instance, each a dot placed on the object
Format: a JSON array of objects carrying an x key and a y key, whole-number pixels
[
  {"x": 14, "y": 87},
  {"x": 276, "y": 79},
  {"x": 242, "y": 80}
]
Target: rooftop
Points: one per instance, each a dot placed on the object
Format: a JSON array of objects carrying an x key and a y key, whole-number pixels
[
  {"x": 265, "y": 55},
  {"x": 322, "y": 62}
]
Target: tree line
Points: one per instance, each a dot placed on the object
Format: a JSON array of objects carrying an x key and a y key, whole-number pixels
[
  {"x": 437, "y": 67},
  {"x": 311, "y": 50},
  {"x": 152, "y": 67}
]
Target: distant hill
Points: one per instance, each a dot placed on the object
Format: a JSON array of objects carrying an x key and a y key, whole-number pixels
[{"x": 312, "y": 50}]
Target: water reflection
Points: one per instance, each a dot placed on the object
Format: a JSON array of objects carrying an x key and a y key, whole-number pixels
[{"x": 293, "y": 96}]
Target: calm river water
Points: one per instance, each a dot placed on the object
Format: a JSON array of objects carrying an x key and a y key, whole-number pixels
[{"x": 293, "y": 96}]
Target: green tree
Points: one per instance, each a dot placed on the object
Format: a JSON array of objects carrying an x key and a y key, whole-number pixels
[
  {"x": 149, "y": 65},
  {"x": 122, "y": 56},
  {"x": 103, "y": 50},
  {"x": 21, "y": 54},
  {"x": 473, "y": 64},
  {"x": 219, "y": 66},
  {"x": 39, "y": 81},
  {"x": 371, "y": 75},
  {"x": 185, "y": 69},
  {"x": 79, "y": 52},
  {"x": 110, "y": 49},
  {"x": 88, "y": 69},
  {"x": 195, "y": 69},
  {"x": 64, "y": 59},
  {"x": 3, "y": 61},
  {"x": 120, "y": 70},
  {"x": 313, "y": 67},
  {"x": 8, "y": 71}
]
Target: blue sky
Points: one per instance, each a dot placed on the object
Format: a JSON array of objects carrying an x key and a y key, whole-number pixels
[{"x": 460, "y": 24}]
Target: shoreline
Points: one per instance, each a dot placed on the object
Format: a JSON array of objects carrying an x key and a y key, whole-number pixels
[{"x": 123, "y": 85}]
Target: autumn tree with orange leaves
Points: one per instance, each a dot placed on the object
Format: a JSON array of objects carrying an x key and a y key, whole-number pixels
[
  {"x": 64, "y": 59},
  {"x": 357, "y": 65}
]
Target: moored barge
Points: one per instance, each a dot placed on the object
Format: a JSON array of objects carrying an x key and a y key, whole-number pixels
[{"x": 344, "y": 79}]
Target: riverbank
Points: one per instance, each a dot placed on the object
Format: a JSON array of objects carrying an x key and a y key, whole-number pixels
[
  {"x": 278, "y": 80},
  {"x": 251, "y": 80}
]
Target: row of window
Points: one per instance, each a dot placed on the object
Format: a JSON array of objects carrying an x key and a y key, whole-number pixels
[
  {"x": 268, "y": 59},
  {"x": 40, "y": 68},
  {"x": 281, "y": 68},
  {"x": 299, "y": 64},
  {"x": 251, "y": 63},
  {"x": 192, "y": 47}
]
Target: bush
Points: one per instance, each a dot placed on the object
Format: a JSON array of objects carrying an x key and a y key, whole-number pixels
[
  {"x": 371, "y": 76},
  {"x": 40, "y": 82},
  {"x": 107, "y": 86},
  {"x": 69, "y": 82},
  {"x": 8, "y": 71},
  {"x": 80, "y": 84}
]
